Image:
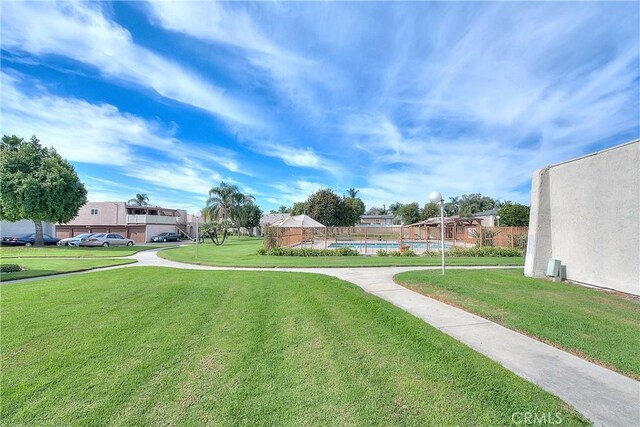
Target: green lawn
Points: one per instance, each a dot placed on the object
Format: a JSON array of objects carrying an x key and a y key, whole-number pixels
[
  {"x": 44, "y": 267},
  {"x": 599, "y": 326},
  {"x": 150, "y": 346},
  {"x": 71, "y": 252},
  {"x": 242, "y": 253}
]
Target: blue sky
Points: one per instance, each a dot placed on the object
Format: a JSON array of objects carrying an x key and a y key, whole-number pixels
[{"x": 394, "y": 99}]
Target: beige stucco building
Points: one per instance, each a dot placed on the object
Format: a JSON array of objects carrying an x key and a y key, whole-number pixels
[
  {"x": 586, "y": 213},
  {"x": 139, "y": 223}
]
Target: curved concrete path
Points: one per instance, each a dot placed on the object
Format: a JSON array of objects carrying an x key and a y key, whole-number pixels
[{"x": 605, "y": 397}]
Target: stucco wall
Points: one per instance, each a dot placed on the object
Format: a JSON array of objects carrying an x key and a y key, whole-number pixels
[
  {"x": 586, "y": 213},
  {"x": 18, "y": 228},
  {"x": 108, "y": 213}
]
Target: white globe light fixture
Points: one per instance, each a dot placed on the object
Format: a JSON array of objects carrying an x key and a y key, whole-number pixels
[
  {"x": 436, "y": 197},
  {"x": 498, "y": 218}
]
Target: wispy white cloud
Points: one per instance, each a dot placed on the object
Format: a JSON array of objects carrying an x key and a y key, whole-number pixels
[
  {"x": 103, "y": 135},
  {"x": 396, "y": 99},
  {"x": 293, "y": 191},
  {"x": 79, "y": 130},
  {"x": 80, "y": 31},
  {"x": 296, "y": 75}
]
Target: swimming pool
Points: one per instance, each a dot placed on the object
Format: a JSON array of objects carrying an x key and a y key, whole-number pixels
[{"x": 390, "y": 246}]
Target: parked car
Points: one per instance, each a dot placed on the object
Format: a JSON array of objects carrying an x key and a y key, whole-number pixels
[
  {"x": 106, "y": 240},
  {"x": 166, "y": 237},
  {"x": 28, "y": 240},
  {"x": 73, "y": 241}
]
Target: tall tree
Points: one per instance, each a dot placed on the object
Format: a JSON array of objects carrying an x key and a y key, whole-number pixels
[
  {"x": 139, "y": 200},
  {"x": 298, "y": 208},
  {"x": 352, "y": 193},
  {"x": 394, "y": 208},
  {"x": 239, "y": 210},
  {"x": 326, "y": 207},
  {"x": 37, "y": 184},
  {"x": 221, "y": 199},
  {"x": 409, "y": 213},
  {"x": 514, "y": 214},
  {"x": 356, "y": 207},
  {"x": 249, "y": 216},
  {"x": 474, "y": 203},
  {"x": 374, "y": 210},
  {"x": 430, "y": 210}
]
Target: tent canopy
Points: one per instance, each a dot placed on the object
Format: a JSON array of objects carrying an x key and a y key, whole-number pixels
[{"x": 297, "y": 221}]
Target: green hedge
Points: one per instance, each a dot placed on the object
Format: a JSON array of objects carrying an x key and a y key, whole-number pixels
[
  {"x": 277, "y": 251},
  {"x": 405, "y": 252},
  {"x": 485, "y": 251},
  {"x": 10, "y": 268}
]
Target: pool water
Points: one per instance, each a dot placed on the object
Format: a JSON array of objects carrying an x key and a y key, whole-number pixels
[{"x": 430, "y": 246}]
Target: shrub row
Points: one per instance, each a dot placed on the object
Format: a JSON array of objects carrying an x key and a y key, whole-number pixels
[
  {"x": 485, "y": 251},
  {"x": 459, "y": 252},
  {"x": 10, "y": 268},
  {"x": 404, "y": 252},
  {"x": 277, "y": 251}
]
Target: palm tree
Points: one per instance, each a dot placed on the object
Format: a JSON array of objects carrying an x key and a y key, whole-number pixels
[
  {"x": 139, "y": 200},
  {"x": 352, "y": 192},
  {"x": 220, "y": 202},
  {"x": 226, "y": 202}
]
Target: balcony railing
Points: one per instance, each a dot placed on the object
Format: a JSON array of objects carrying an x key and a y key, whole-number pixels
[{"x": 153, "y": 219}]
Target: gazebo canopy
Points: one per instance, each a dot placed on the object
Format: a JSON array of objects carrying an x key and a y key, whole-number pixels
[{"x": 297, "y": 221}]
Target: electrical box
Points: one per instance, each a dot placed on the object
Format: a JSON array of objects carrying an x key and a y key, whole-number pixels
[{"x": 553, "y": 268}]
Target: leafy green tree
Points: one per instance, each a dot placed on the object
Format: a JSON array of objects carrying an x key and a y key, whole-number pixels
[
  {"x": 139, "y": 200},
  {"x": 410, "y": 213},
  {"x": 514, "y": 214},
  {"x": 249, "y": 216},
  {"x": 394, "y": 208},
  {"x": 326, "y": 207},
  {"x": 356, "y": 207},
  {"x": 283, "y": 209},
  {"x": 37, "y": 184},
  {"x": 298, "y": 208},
  {"x": 430, "y": 210},
  {"x": 374, "y": 210},
  {"x": 473, "y": 203}
]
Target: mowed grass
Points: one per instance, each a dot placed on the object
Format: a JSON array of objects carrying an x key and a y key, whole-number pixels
[
  {"x": 36, "y": 267},
  {"x": 242, "y": 253},
  {"x": 150, "y": 346},
  {"x": 593, "y": 324},
  {"x": 71, "y": 252}
]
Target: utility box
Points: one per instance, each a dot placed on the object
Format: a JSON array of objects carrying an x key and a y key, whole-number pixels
[{"x": 553, "y": 268}]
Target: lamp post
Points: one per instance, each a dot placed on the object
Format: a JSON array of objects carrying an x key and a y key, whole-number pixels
[
  {"x": 498, "y": 219},
  {"x": 197, "y": 217},
  {"x": 436, "y": 197}
]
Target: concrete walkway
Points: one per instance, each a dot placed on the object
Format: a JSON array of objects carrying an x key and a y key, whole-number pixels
[{"x": 604, "y": 396}]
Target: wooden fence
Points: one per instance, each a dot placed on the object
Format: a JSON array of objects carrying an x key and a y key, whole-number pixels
[{"x": 421, "y": 237}]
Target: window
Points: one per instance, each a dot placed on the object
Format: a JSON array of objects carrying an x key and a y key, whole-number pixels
[{"x": 94, "y": 211}]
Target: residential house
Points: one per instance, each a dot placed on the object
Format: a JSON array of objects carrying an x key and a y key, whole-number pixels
[{"x": 376, "y": 220}]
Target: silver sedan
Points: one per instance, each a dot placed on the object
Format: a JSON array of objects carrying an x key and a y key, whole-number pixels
[
  {"x": 73, "y": 241},
  {"x": 106, "y": 240}
]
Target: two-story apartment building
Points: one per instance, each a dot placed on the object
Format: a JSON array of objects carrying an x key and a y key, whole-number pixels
[{"x": 138, "y": 223}]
